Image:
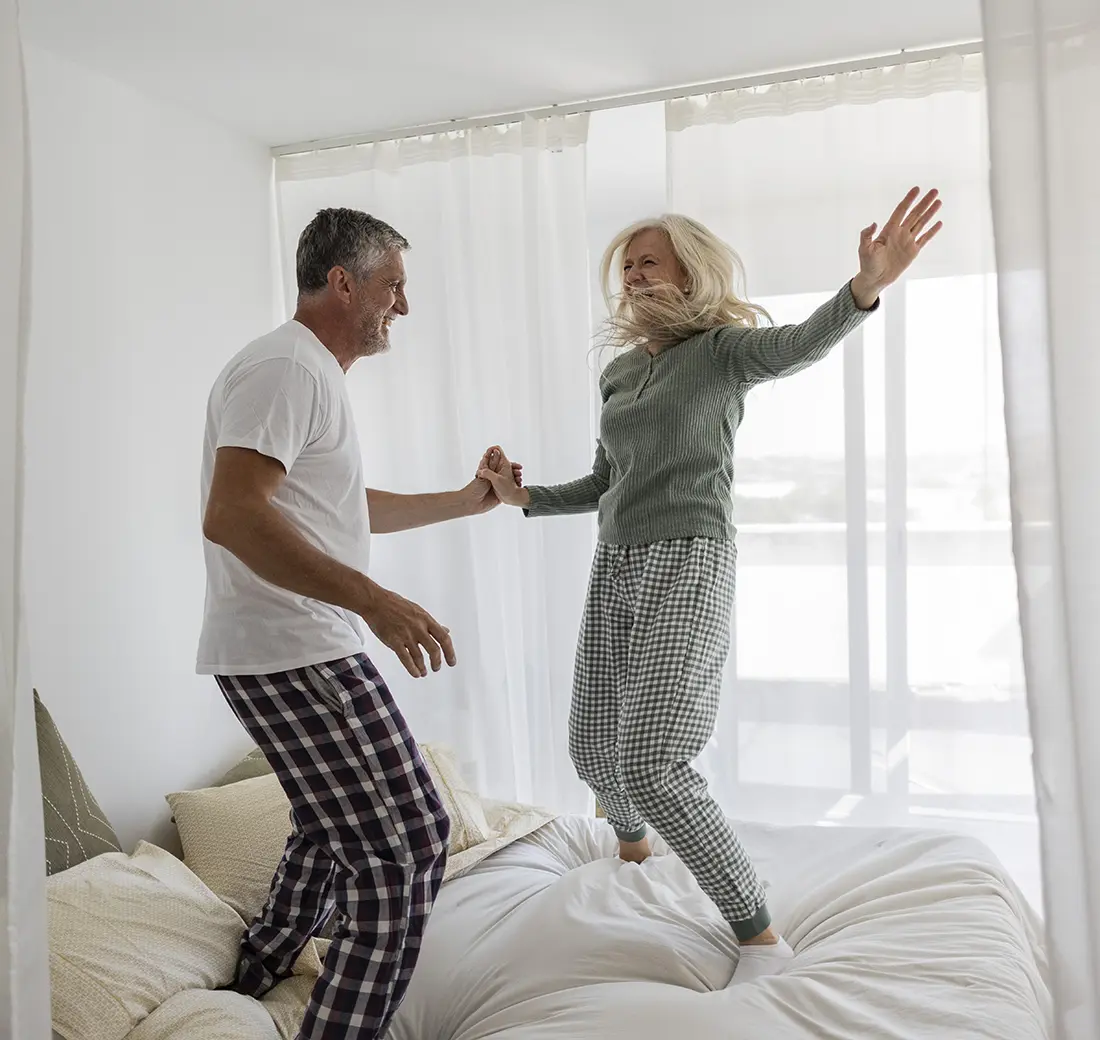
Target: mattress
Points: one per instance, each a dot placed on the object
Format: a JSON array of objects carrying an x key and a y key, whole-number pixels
[{"x": 897, "y": 933}]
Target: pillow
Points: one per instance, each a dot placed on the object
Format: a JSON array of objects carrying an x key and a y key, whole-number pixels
[
  {"x": 468, "y": 824},
  {"x": 126, "y": 934},
  {"x": 198, "y": 1014},
  {"x": 253, "y": 764},
  {"x": 76, "y": 827},
  {"x": 468, "y": 813},
  {"x": 233, "y": 837},
  {"x": 286, "y": 1004}
]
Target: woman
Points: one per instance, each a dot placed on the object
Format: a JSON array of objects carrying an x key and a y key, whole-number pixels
[{"x": 655, "y": 633}]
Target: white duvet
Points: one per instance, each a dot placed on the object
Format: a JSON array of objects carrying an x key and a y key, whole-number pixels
[{"x": 897, "y": 934}]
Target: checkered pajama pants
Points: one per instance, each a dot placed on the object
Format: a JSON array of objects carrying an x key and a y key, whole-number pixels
[
  {"x": 369, "y": 837},
  {"x": 652, "y": 647}
]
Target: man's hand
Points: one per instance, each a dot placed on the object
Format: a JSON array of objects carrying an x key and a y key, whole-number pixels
[
  {"x": 405, "y": 628},
  {"x": 480, "y": 491},
  {"x": 505, "y": 476}
]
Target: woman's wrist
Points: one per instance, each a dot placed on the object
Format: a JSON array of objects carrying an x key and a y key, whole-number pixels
[
  {"x": 523, "y": 499},
  {"x": 864, "y": 292}
]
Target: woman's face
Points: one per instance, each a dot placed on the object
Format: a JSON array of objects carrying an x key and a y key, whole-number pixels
[{"x": 648, "y": 260}]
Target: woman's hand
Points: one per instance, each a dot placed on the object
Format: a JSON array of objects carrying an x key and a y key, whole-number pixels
[
  {"x": 885, "y": 258},
  {"x": 480, "y": 493},
  {"x": 505, "y": 477}
]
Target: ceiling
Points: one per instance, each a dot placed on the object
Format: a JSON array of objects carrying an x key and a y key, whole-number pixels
[{"x": 284, "y": 71}]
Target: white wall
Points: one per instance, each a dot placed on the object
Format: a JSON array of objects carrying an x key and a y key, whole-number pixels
[{"x": 152, "y": 266}]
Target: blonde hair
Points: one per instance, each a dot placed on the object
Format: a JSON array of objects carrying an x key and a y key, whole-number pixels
[{"x": 663, "y": 315}]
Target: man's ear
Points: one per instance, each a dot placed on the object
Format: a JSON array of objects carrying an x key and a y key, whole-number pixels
[{"x": 340, "y": 283}]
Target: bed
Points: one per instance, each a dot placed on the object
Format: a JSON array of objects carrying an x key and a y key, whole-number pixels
[
  {"x": 540, "y": 932},
  {"x": 897, "y": 933}
]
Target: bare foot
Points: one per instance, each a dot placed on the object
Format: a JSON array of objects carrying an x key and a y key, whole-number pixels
[
  {"x": 634, "y": 851},
  {"x": 768, "y": 937}
]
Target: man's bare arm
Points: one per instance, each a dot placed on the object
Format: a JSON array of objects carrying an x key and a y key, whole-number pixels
[
  {"x": 390, "y": 512},
  {"x": 241, "y": 518}
]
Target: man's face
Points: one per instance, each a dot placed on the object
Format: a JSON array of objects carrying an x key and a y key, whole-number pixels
[{"x": 377, "y": 300}]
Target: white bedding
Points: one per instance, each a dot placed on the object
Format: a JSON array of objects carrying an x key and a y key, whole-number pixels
[{"x": 897, "y": 934}]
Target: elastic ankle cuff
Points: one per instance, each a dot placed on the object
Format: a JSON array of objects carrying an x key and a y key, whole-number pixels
[
  {"x": 637, "y": 835},
  {"x": 753, "y": 926}
]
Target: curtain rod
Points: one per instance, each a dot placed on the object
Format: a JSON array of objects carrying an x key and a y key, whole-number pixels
[{"x": 902, "y": 57}]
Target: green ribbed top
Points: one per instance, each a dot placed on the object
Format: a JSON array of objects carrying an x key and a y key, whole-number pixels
[{"x": 664, "y": 459}]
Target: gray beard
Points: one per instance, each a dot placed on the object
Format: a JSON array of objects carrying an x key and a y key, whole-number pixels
[{"x": 375, "y": 344}]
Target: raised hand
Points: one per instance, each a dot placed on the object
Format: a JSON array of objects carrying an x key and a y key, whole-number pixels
[{"x": 884, "y": 258}]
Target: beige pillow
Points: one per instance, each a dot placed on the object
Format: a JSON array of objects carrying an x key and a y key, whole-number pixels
[
  {"x": 233, "y": 837},
  {"x": 128, "y": 932},
  {"x": 287, "y": 1003},
  {"x": 468, "y": 824},
  {"x": 198, "y": 1014}
]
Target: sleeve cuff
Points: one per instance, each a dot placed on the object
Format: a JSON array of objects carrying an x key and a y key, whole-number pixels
[
  {"x": 533, "y": 509},
  {"x": 847, "y": 290},
  {"x": 284, "y": 457}
]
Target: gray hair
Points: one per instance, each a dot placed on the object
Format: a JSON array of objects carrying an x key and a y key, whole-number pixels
[{"x": 345, "y": 238}]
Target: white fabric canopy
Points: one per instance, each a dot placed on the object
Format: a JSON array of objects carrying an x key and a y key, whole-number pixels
[
  {"x": 1044, "y": 110},
  {"x": 24, "y": 979},
  {"x": 495, "y": 350}
]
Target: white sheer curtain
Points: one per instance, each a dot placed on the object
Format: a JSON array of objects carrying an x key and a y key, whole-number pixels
[
  {"x": 1044, "y": 108},
  {"x": 24, "y": 979},
  {"x": 877, "y": 674},
  {"x": 495, "y": 350}
]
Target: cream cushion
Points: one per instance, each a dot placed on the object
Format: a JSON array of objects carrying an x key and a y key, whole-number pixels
[
  {"x": 233, "y": 837},
  {"x": 127, "y": 933},
  {"x": 468, "y": 824},
  {"x": 202, "y": 1015},
  {"x": 286, "y": 1004}
]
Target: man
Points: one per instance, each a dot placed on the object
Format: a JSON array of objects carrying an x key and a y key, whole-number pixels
[{"x": 287, "y": 527}]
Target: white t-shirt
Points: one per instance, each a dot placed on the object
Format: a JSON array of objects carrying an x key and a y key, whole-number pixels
[{"x": 285, "y": 396}]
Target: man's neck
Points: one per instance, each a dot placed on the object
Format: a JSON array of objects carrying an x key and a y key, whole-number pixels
[{"x": 333, "y": 338}]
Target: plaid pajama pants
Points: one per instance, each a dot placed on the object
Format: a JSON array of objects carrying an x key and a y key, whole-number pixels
[
  {"x": 369, "y": 838},
  {"x": 648, "y": 677}
]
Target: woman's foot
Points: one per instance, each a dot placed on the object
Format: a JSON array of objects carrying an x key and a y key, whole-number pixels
[
  {"x": 764, "y": 954},
  {"x": 635, "y": 851},
  {"x": 768, "y": 937}
]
